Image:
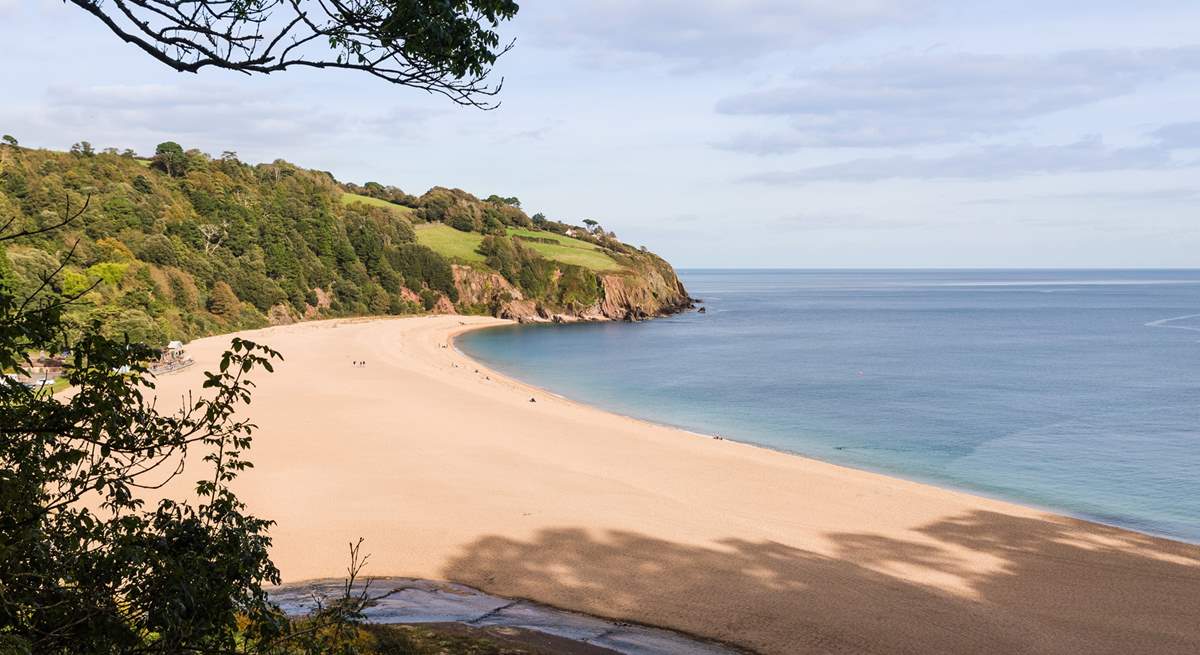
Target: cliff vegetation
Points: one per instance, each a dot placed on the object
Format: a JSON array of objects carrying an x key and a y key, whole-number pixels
[{"x": 184, "y": 244}]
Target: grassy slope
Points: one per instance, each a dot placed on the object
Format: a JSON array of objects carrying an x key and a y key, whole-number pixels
[
  {"x": 348, "y": 198},
  {"x": 449, "y": 242},
  {"x": 455, "y": 244},
  {"x": 567, "y": 250},
  {"x": 562, "y": 239}
]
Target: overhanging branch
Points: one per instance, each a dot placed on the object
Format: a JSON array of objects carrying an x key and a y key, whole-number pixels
[{"x": 447, "y": 47}]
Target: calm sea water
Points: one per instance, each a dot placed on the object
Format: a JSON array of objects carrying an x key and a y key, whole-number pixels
[{"x": 1073, "y": 390}]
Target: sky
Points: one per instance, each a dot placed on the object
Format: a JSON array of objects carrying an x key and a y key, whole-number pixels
[{"x": 723, "y": 133}]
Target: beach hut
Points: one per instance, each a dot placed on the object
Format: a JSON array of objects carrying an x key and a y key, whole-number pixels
[{"x": 174, "y": 352}]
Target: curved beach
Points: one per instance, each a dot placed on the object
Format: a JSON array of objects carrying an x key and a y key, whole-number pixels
[{"x": 449, "y": 471}]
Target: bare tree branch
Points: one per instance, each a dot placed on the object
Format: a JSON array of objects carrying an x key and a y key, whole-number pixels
[{"x": 68, "y": 217}]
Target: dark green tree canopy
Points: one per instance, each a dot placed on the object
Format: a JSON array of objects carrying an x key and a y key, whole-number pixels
[
  {"x": 170, "y": 158},
  {"x": 441, "y": 46}
]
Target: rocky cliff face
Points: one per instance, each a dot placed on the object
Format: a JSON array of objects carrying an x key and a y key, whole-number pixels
[
  {"x": 650, "y": 289},
  {"x": 479, "y": 287},
  {"x": 646, "y": 288}
]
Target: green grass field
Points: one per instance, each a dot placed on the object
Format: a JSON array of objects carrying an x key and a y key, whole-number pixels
[
  {"x": 449, "y": 242},
  {"x": 567, "y": 250},
  {"x": 348, "y": 198},
  {"x": 587, "y": 257},
  {"x": 564, "y": 240},
  {"x": 452, "y": 243}
]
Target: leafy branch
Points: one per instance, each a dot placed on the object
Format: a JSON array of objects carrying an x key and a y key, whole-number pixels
[{"x": 438, "y": 46}]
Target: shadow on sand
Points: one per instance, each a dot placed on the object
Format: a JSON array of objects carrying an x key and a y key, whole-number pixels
[{"x": 989, "y": 583}]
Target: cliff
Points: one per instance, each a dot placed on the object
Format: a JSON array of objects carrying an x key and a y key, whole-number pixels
[
  {"x": 645, "y": 289},
  {"x": 184, "y": 245}
]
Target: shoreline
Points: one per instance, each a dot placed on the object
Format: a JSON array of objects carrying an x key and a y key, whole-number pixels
[
  {"x": 939, "y": 484},
  {"x": 450, "y": 472}
]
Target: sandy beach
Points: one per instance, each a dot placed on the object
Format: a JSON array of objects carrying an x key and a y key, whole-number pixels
[{"x": 449, "y": 471}]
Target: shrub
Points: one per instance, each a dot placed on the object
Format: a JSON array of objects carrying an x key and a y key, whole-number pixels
[
  {"x": 172, "y": 576},
  {"x": 110, "y": 272},
  {"x": 420, "y": 266},
  {"x": 158, "y": 249},
  {"x": 461, "y": 218},
  {"x": 493, "y": 226},
  {"x": 222, "y": 301},
  {"x": 429, "y": 298},
  {"x": 578, "y": 287}
]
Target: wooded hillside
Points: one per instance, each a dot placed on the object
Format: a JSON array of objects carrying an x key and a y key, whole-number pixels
[{"x": 183, "y": 245}]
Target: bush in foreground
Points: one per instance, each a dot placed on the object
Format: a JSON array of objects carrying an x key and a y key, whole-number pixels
[{"x": 86, "y": 564}]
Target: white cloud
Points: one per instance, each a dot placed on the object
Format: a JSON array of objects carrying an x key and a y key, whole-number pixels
[
  {"x": 1173, "y": 195},
  {"x": 633, "y": 144},
  {"x": 210, "y": 117},
  {"x": 842, "y": 222},
  {"x": 942, "y": 98},
  {"x": 1179, "y": 135},
  {"x": 988, "y": 162},
  {"x": 688, "y": 33}
]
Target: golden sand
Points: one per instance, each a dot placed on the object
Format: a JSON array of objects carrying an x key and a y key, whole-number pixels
[{"x": 450, "y": 472}]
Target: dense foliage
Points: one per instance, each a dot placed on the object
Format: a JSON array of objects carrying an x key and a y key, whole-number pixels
[
  {"x": 103, "y": 257},
  {"x": 563, "y": 285},
  {"x": 88, "y": 563},
  {"x": 184, "y": 245}
]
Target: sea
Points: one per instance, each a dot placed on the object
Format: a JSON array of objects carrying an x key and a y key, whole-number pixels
[{"x": 1076, "y": 391}]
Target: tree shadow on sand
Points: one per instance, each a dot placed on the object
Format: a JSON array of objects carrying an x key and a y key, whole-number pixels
[{"x": 1044, "y": 586}]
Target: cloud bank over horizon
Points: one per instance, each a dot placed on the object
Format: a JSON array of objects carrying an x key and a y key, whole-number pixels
[{"x": 807, "y": 133}]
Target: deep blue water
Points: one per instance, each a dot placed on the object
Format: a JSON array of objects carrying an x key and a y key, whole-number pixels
[{"x": 1071, "y": 390}]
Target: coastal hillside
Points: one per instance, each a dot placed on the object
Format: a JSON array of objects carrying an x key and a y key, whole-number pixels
[{"x": 184, "y": 244}]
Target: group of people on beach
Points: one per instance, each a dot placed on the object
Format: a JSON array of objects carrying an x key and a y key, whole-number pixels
[{"x": 359, "y": 363}]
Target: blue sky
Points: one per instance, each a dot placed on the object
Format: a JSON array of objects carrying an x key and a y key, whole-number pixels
[{"x": 789, "y": 133}]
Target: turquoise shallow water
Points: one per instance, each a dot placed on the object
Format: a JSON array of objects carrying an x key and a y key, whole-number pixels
[{"x": 1072, "y": 390}]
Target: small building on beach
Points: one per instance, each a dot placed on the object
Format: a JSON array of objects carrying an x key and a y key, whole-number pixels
[{"x": 173, "y": 357}]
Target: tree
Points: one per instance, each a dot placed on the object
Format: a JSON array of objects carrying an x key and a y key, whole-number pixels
[
  {"x": 222, "y": 301},
  {"x": 170, "y": 158},
  {"x": 439, "y": 46},
  {"x": 429, "y": 298},
  {"x": 590, "y": 223},
  {"x": 86, "y": 565},
  {"x": 213, "y": 236},
  {"x": 9, "y": 140},
  {"x": 492, "y": 225},
  {"x": 83, "y": 149},
  {"x": 511, "y": 201},
  {"x": 158, "y": 249},
  {"x": 460, "y": 217}
]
